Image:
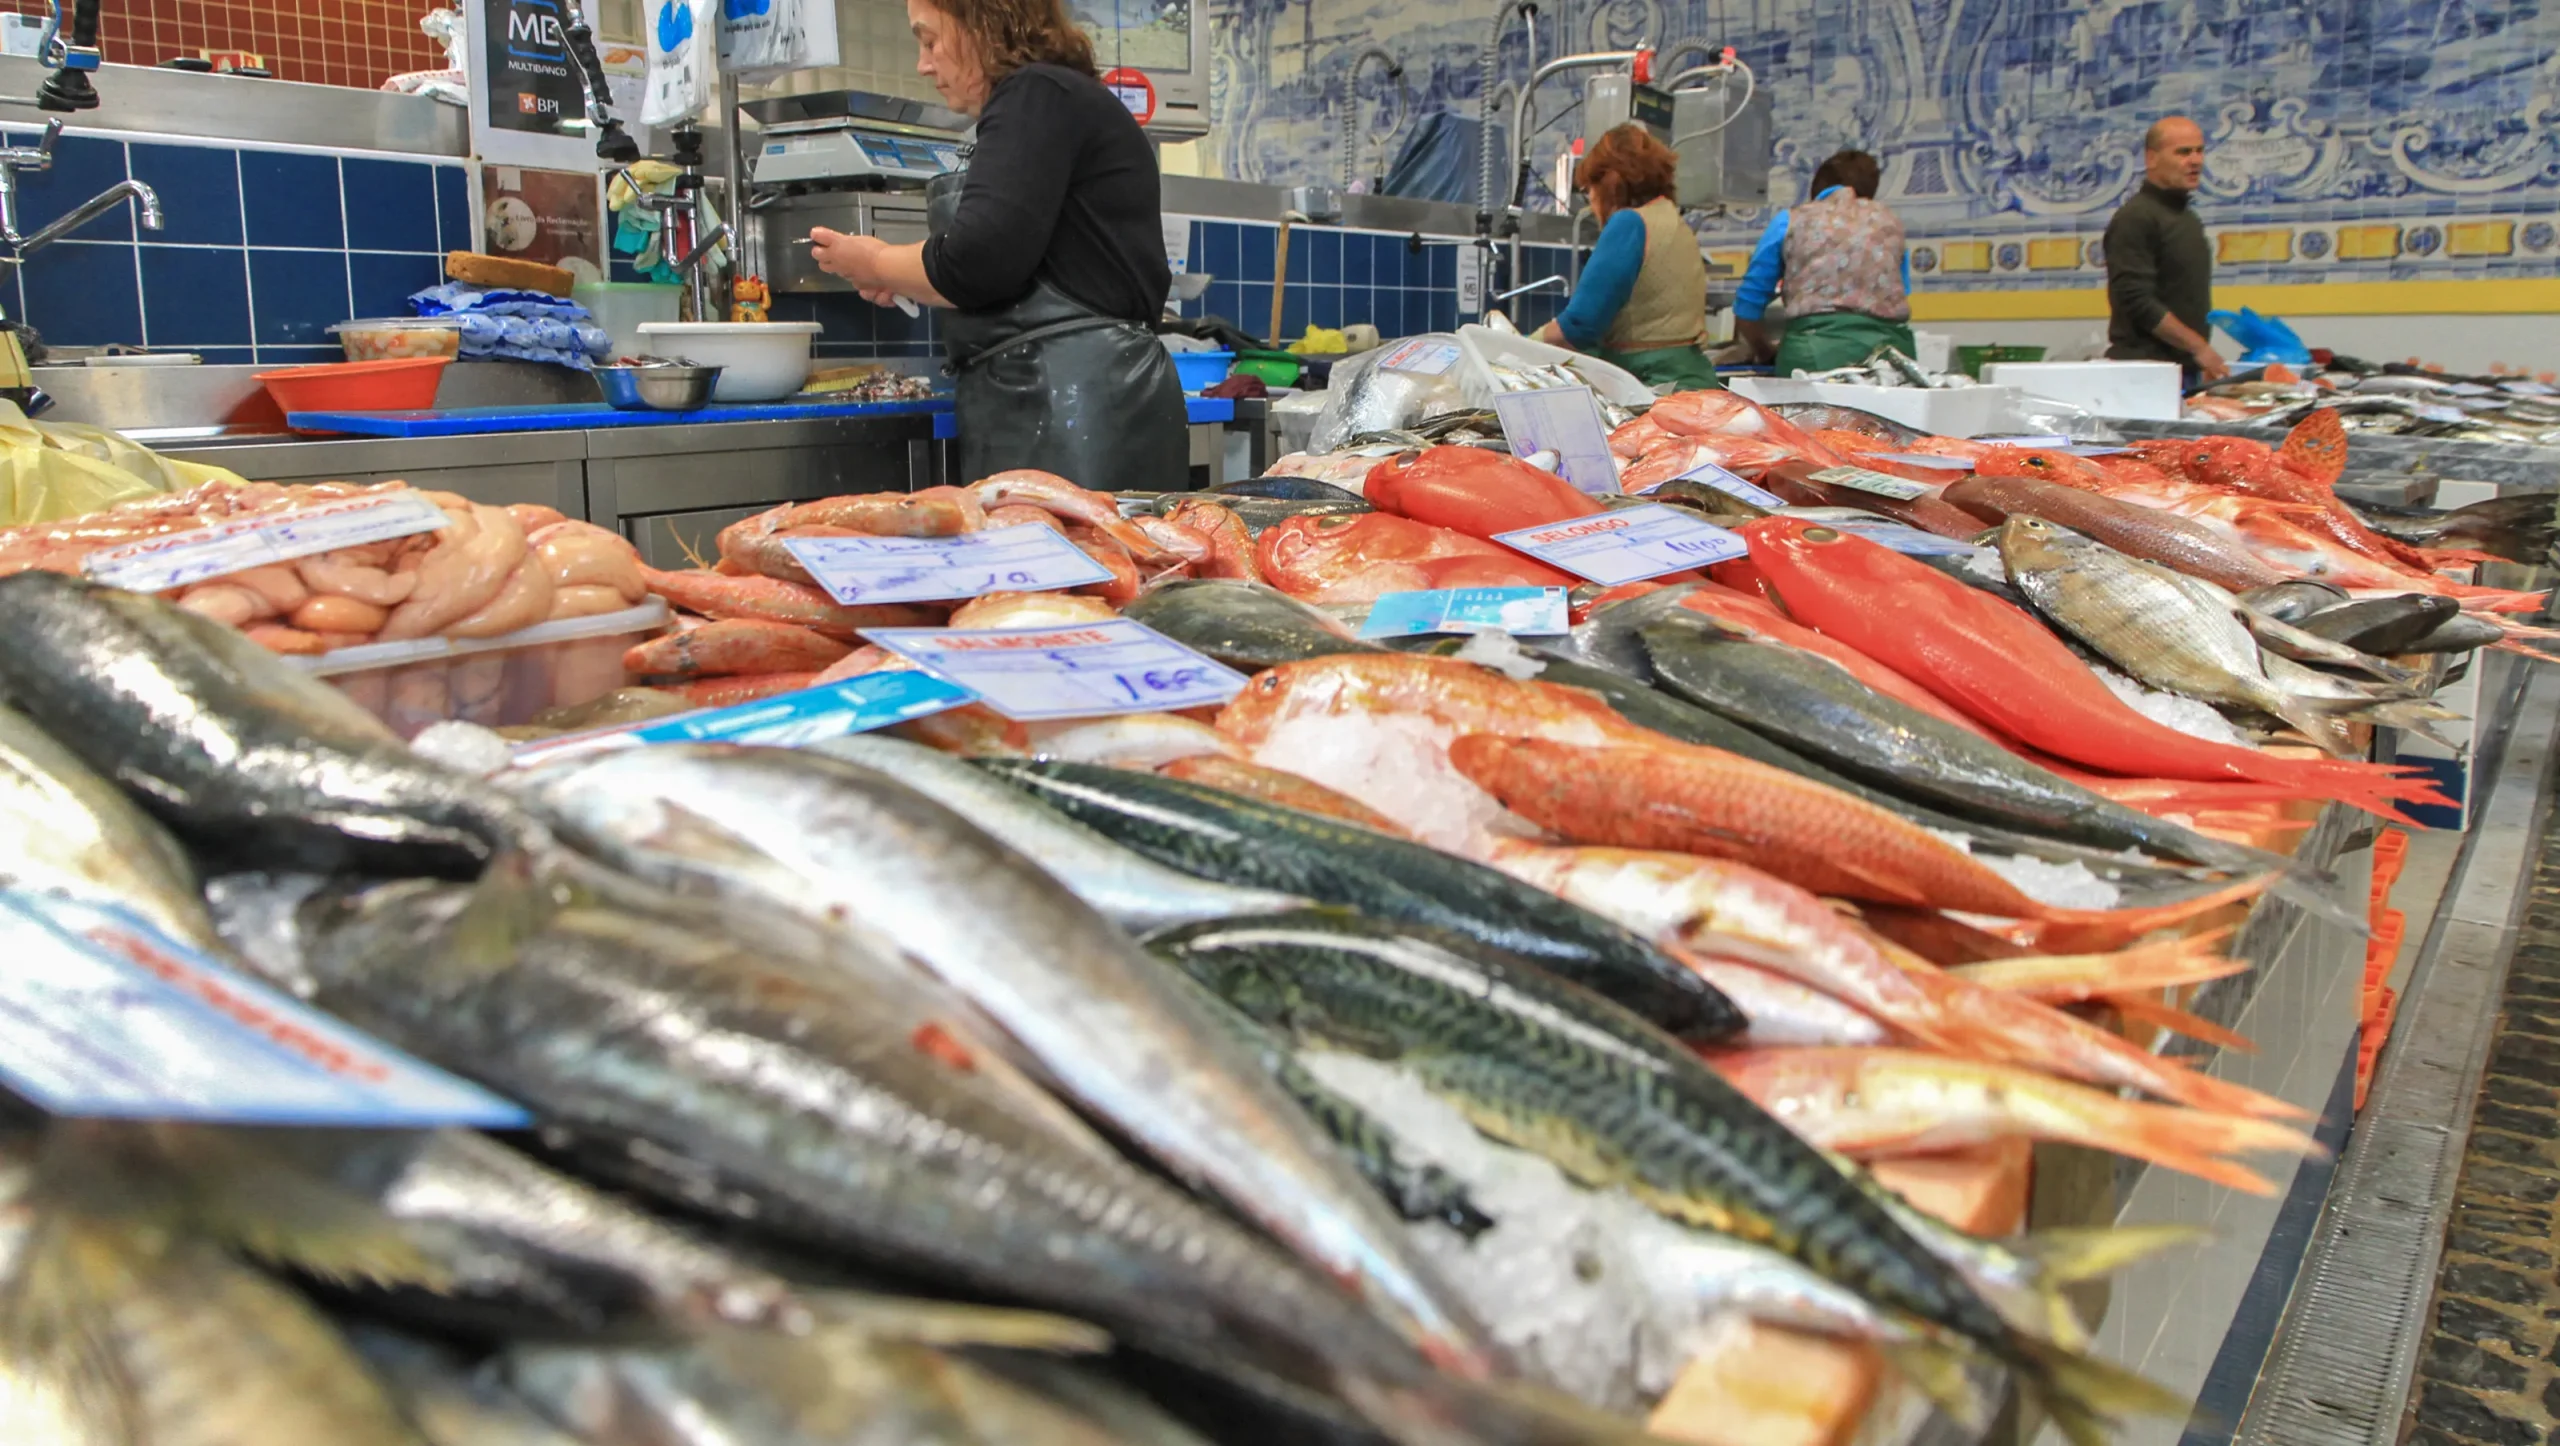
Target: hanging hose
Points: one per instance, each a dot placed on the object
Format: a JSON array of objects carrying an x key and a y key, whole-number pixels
[
  {"x": 1721, "y": 68},
  {"x": 1350, "y": 151},
  {"x": 1490, "y": 77},
  {"x": 68, "y": 88}
]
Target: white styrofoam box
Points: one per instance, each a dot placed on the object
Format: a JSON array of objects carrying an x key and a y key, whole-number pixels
[
  {"x": 2143, "y": 390},
  {"x": 1933, "y": 350},
  {"x": 2453, "y": 492},
  {"x": 1481, "y": 346},
  {"x": 1943, "y": 411}
]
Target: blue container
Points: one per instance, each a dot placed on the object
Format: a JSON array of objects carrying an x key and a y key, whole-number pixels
[{"x": 1200, "y": 369}]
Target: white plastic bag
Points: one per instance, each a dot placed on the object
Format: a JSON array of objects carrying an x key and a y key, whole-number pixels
[
  {"x": 764, "y": 40},
  {"x": 1484, "y": 349},
  {"x": 683, "y": 41}
]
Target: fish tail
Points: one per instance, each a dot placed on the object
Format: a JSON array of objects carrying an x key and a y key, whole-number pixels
[
  {"x": 2070, "y": 978},
  {"x": 2170, "y": 1017},
  {"x": 2321, "y": 720},
  {"x": 1937, "y": 1370},
  {"x": 2093, "y": 931},
  {"x": 2087, "y": 1398},
  {"x": 2221, "y": 1096},
  {"x": 2416, "y": 716},
  {"x": 2074, "y": 1255},
  {"x": 2194, "y": 1142}
]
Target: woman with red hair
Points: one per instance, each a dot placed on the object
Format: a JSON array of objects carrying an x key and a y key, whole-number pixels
[{"x": 1642, "y": 300}]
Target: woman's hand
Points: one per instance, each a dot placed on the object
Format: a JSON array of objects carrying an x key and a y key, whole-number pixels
[
  {"x": 855, "y": 258},
  {"x": 1552, "y": 335}
]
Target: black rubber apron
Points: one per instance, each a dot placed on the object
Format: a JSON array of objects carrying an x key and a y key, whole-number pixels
[{"x": 1048, "y": 382}]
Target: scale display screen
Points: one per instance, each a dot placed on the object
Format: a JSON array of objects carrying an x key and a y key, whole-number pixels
[
  {"x": 898, "y": 153},
  {"x": 1149, "y": 35}
]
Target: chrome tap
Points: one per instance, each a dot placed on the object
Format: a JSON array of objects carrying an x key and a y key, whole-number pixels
[{"x": 39, "y": 157}]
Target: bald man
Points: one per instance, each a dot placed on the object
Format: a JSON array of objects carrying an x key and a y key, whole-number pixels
[{"x": 2159, "y": 266}]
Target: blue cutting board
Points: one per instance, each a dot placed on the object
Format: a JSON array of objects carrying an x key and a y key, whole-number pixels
[
  {"x": 478, "y": 421},
  {"x": 1202, "y": 410}
]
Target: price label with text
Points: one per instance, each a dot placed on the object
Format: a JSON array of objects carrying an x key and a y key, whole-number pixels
[
  {"x": 104, "y": 1016},
  {"x": 1925, "y": 459},
  {"x": 1567, "y": 422},
  {"x": 1521, "y": 611},
  {"x": 786, "y": 720},
  {"x": 1627, "y": 544},
  {"x": 1711, "y": 475},
  {"x": 860, "y": 570},
  {"x": 1875, "y": 484},
  {"x": 156, "y": 564},
  {"x": 1084, "y": 671}
]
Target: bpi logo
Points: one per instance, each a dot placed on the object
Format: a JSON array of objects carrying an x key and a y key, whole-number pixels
[{"x": 534, "y": 31}]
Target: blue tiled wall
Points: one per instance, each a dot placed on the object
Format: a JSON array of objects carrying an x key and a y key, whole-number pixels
[
  {"x": 261, "y": 251},
  {"x": 1398, "y": 283}
]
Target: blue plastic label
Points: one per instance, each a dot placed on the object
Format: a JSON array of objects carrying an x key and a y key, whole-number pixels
[
  {"x": 2086, "y": 449},
  {"x": 1525, "y": 611},
  {"x": 1089, "y": 670},
  {"x": 1567, "y": 422},
  {"x": 857, "y": 571},
  {"x": 1725, "y": 482},
  {"x": 785, "y": 720},
  {"x": 1908, "y": 540},
  {"x": 1627, "y": 544},
  {"x": 101, "y": 1015}
]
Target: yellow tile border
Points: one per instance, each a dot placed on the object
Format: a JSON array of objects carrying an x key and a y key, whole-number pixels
[{"x": 2522, "y": 296}]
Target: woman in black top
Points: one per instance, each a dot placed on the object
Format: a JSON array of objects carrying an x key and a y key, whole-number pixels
[{"x": 1048, "y": 251}]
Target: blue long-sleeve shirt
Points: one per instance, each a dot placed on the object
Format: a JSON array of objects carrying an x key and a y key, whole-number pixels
[
  {"x": 1769, "y": 262},
  {"x": 1608, "y": 279}
]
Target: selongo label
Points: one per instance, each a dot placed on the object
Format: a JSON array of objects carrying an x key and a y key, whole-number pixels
[
  {"x": 102, "y": 1015},
  {"x": 1859, "y": 479},
  {"x": 860, "y": 570},
  {"x": 1085, "y": 671},
  {"x": 1627, "y": 544},
  {"x": 156, "y": 564}
]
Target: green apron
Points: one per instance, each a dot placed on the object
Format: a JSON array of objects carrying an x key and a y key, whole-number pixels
[
  {"x": 1830, "y": 339},
  {"x": 1681, "y": 368}
]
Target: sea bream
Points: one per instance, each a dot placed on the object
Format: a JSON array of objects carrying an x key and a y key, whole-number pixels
[
  {"x": 801, "y": 834},
  {"x": 662, "y": 1055}
]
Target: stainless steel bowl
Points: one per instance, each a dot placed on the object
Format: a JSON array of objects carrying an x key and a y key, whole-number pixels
[{"x": 657, "y": 388}]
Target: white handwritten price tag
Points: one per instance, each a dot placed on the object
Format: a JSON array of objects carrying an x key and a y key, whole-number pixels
[
  {"x": 157, "y": 564},
  {"x": 856, "y": 570},
  {"x": 1567, "y": 422},
  {"x": 2027, "y": 439},
  {"x": 1627, "y": 544},
  {"x": 1085, "y": 671},
  {"x": 786, "y": 720},
  {"x": 1725, "y": 482},
  {"x": 1421, "y": 357},
  {"x": 102, "y": 1015},
  {"x": 1521, "y": 611},
  {"x": 1859, "y": 479}
]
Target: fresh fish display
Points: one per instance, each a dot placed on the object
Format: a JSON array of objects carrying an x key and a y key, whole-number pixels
[
  {"x": 2293, "y": 601},
  {"x": 1551, "y": 1068},
  {"x": 2381, "y": 624},
  {"x": 2516, "y": 526},
  {"x": 1256, "y": 845},
  {"x": 2145, "y": 532},
  {"x": 834, "y": 841},
  {"x": 228, "y": 744},
  {"x": 69, "y": 831},
  {"x": 842, "y": 1135}
]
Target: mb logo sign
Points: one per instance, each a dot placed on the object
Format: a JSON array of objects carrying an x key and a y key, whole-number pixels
[{"x": 534, "y": 30}]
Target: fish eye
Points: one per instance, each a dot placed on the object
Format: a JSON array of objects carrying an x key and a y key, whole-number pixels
[{"x": 1820, "y": 534}]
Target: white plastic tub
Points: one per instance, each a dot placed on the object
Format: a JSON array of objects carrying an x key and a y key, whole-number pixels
[
  {"x": 1481, "y": 348},
  {"x": 1943, "y": 411},
  {"x": 494, "y": 682},
  {"x": 2144, "y": 390},
  {"x": 759, "y": 361}
]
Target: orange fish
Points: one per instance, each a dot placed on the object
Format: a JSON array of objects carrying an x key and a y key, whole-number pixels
[{"x": 1271, "y": 785}]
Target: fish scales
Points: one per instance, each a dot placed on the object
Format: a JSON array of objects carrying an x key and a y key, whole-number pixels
[
  {"x": 1551, "y": 1068},
  {"x": 1244, "y": 841}
]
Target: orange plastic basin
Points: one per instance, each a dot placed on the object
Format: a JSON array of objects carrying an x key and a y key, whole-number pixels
[{"x": 402, "y": 384}]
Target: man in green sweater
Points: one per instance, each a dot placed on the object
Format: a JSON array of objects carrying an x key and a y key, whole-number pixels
[{"x": 2159, "y": 265}]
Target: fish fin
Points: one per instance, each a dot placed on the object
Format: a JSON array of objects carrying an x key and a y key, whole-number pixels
[
  {"x": 944, "y": 1323},
  {"x": 2086, "y": 1397},
  {"x": 2415, "y": 716},
  {"x": 2321, "y": 720},
  {"x": 2071, "y": 1255},
  {"x": 2170, "y": 1017},
  {"x": 235, "y": 1188},
  {"x": 2087, "y": 931},
  {"x": 2069, "y": 978},
  {"x": 57, "y": 1332},
  {"x": 1937, "y": 1370}
]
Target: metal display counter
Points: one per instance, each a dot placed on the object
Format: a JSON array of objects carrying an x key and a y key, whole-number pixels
[{"x": 2509, "y": 465}]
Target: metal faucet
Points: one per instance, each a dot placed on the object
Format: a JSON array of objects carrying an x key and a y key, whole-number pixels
[{"x": 39, "y": 157}]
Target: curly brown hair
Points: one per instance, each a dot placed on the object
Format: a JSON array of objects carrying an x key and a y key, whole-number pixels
[
  {"x": 1627, "y": 167},
  {"x": 1007, "y": 35}
]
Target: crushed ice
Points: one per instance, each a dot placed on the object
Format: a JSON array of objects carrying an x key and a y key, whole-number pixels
[
  {"x": 2062, "y": 885},
  {"x": 2196, "y": 720},
  {"x": 466, "y": 747},
  {"x": 1501, "y": 652},
  {"x": 1399, "y": 765}
]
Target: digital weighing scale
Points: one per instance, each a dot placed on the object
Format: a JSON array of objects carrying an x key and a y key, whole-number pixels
[{"x": 854, "y": 139}]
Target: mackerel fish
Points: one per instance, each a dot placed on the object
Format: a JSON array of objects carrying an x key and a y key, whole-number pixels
[
  {"x": 1252, "y": 844},
  {"x": 802, "y": 834},
  {"x": 1814, "y": 705},
  {"x": 661, "y": 1056},
  {"x": 65, "y": 830},
  {"x": 230, "y": 746},
  {"x": 1551, "y": 1068},
  {"x": 1126, "y": 887}
]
